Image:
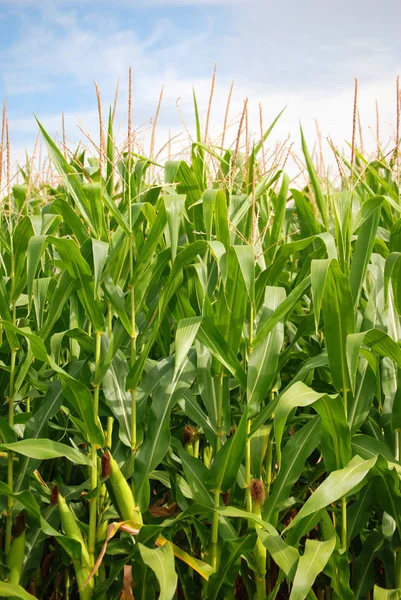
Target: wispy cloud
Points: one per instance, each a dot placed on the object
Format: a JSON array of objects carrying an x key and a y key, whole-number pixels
[
  {"x": 62, "y": 46},
  {"x": 139, "y": 3},
  {"x": 298, "y": 61}
]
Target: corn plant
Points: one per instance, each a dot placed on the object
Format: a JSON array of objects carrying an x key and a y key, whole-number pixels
[{"x": 200, "y": 378}]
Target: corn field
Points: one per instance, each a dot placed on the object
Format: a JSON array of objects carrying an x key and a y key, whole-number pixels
[{"x": 200, "y": 370}]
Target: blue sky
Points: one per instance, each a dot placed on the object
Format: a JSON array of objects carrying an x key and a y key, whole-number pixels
[{"x": 304, "y": 54}]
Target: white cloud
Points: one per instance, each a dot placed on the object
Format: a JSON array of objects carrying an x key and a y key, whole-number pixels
[
  {"x": 80, "y": 50},
  {"x": 191, "y": 2},
  {"x": 140, "y": 3},
  {"x": 262, "y": 65}
]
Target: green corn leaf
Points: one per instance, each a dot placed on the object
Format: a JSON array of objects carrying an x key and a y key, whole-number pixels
[
  {"x": 37, "y": 346},
  {"x": 195, "y": 473},
  {"x": 183, "y": 259},
  {"x": 336, "y": 440},
  {"x": 79, "y": 269},
  {"x": 342, "y": 211},
  {"x": 116, "y": 298},
  {"x": 232, "y": 551},
  {"x": 44, "y": 449},
  {"x": 222, "y": 219},
  {"x": 157, "y": 440},
  {"x": 380, "y": 593},
  {"x": 259, "y": 443},
  {"x": 358, "y": 513},
  {"x": 100, "y": 250},
  {"x": 295, "y": 453},
  {"x": 392, "y": 270},
  {"x": 338, "y": 484},
  {"x": 80, "y": 398},
  {"x": 93, "y": 200},
  {"x": 292, "y": 248},
  {"x": 71, "y": 218},
  {"x": 298, "y": 394},
  {"x": 362, "y": 253},
  {"x": 27, "y": 500},
  {"x": 187, "y": 330},
  {"x": 319, "y": 270},
  {"x": 7, "y": 433},
  {"x": 338, "y": 323},
  {"x": 175, "y": 205},
  {"x": 153, "y": 239},
  {"x": 65, "y": 286},
  {"x": 263, "y": 361},
  {"x": 285, "y": 556},
  {"x": 261, "y": 188},
  {"x": 37, "y": 426},
  {"x": 161, "y": 561},
  {"x": 118, "y": 400},
  {"x": 279, "y": 214},
  {"x": 306, "y": 216},
  {"x": 208, "y": 207},
  {"x": 210, "y": 336},
  {"x": 13, "y": 590},
  {"x": 224, "y": 470},
  {"x": 311, "y": 563},
  {"x": 35, "y": 249},
  {"x": 321, "y": 200},
  {"x": 232, "y": 302},
  {"x": 70, "y": 178},
  {"x": 359, "y": 404},
  {"x": 191, "y": 408},
  {"x": 282, "y": 311},
  {"x": 363, "y": 574},
  {"x": 378, "y": 341},
  {"x": 23, "y": 232},
  {"x": 246, "y": 261}
]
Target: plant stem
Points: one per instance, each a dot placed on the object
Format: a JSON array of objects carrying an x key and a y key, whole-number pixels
[
  {"x": 133, "y": 392},
  {"x": 219, "y": 411},
  {"x": 74, "y": 322},
  {"x": 9, "y": 520},
  {"x": 248, "y": 468},
  {"x": 109, "y": 320},
  {"x": 260, "y": 553},
  {"x": 344, "y": 523},
  {"x": 94, "y": 469},
  {"x": 248, "y": 439},
  {"x": 133, "y": 420},
  {"x": 109, "y": 432},
  {"x": 398, "y": 569},
  {"x": 397, "y": 444},
  {"x": 10, "y": 475},
  {"x": 215, "y": 521},
  {"x": 133, "y": 324},
  {"x": 215, "y": 531},
  {"x": 67, "y": 584},
  {"x": 110, "y": 420},
  {"x": 269, "y": 465},
  {"x": 344, "y": 500},
  {"x": 132, "y": 294}
]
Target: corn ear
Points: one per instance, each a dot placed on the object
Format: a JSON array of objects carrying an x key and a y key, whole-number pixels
[
  {"x": 123, "y": 494},
  {"x": 71, "y": 527},
  {"x": 15, "y": 557}
]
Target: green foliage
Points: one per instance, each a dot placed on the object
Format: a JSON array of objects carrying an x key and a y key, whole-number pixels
[{"x": 200, "y": 380}]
